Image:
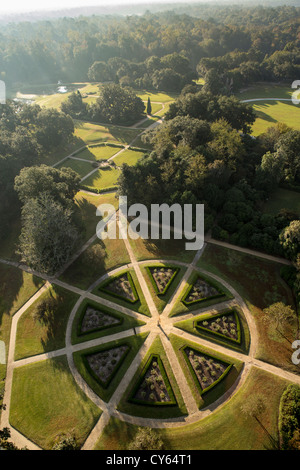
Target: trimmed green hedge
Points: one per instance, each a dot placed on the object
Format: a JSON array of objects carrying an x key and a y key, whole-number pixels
[
  {"x": 211, "y": 283},
  {"x": 148, "y": 269},
  {"x": 229, "y": 312},
  {"x": 115, "y": 370},
  {"x": 172, "y": 402},
  {"x": 204, "y": 391},
  {"x": 103, "y": 288},
  {"x": 90, "y": 303}
]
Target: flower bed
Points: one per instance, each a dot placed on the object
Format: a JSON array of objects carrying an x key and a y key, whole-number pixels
[
  {"x": 206, "y": 370},
  {"x": 201, "y": 290},
  {"x": 226, "y": 324},
  {"x": 161, "y": 277},
  {"x": 103, "y": 365},
  {"x": 122, "y": 287},
  {"x": 153, "y": 387}
]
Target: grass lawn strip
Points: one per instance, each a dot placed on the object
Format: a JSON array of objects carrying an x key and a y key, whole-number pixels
[
  {"x": 42, "y": 327},
  {"x": 37, "y": 412}
]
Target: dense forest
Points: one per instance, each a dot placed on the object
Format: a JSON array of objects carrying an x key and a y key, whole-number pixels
[
  {"x": 241, "y": 43},
  {"x": 203, "y": 152}
]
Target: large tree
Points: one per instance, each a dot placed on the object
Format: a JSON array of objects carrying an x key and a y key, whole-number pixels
[
  {"x": 49, "y": 235},
  {"x": 117, "y": 105}
]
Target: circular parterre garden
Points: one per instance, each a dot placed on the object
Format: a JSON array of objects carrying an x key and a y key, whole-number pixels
[{"x": 155, "y": 343}]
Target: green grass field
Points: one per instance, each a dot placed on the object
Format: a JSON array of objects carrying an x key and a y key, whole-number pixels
[
  {"x": 98, "y": 152},
  {"x": 36, "y": 410},
  {"x": 36, "y": 336},
  {"x": 87, "y": 204},
  {"x": 270, "y": 112},
  {"x": 82, "y": 168},
  {"x": 100, "y": 257},
  {"x": 90, "y": 133},
  {"x": 129, "y": 156},
  {"x": 16, "y": 288},
  {"x": 105, "y": 178},
  {"x": 159, "y": 97}
]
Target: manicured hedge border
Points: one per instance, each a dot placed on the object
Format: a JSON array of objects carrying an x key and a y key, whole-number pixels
[
  {"x": 204, "y": 391},
  {"x": 211, "y": 283},
  {"x": 113, "y": 294},
  {"x": 229, "y": 312},
  {"x": 172, "y": 402},
  {"x": 114, "y": 372},
  {"x": 148, "y": 269},
  {"x": 90, "y": 303}
]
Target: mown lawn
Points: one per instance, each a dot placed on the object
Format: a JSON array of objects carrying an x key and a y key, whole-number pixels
[
  {"x": 158, "y": 96},
  {"x": 258, "y": 281},
  {"x": 96, "y": 260},
  {"x": 91, "y": 133},
  {"x": 38, "y": 335},
  {"x": 270, "y": 112},
  {"x": 16, "y": 287},
  {"x": 87, "y": 204},
  {"x": 98, "y": 152},
  {"x": 82, "y": 168},
  {"x": 129, "y": 156},
  {"x": 161, "y": 249},
  {"x": 102, "y": 179},
  {"x": 36, "y": 410},
  {"x": 227, "y": 428}
]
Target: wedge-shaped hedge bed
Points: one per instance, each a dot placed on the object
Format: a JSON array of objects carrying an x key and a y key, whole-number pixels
[
  {"x": 209, "y": 284},
  {"x": 116, "y": 320},
  {"x": 113, "y": 281},
  {"x": 186, "y": 350},
  {"x": 207, "y": 320},
  {"x": 98, "y": 363},
  {"x": 141, "y": 384},
  {"x": 151, "y": 269}
]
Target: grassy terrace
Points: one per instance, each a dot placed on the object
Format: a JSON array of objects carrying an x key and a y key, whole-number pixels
[
  {"x": 38, "y": 335},
  {"x": 98, "y": 152},
  {"x": 36, "y": 411},
  {"x": 16, "y": 287},
  {"x": 103, "y": 179},
  {"x": 129, "y": 156}
]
